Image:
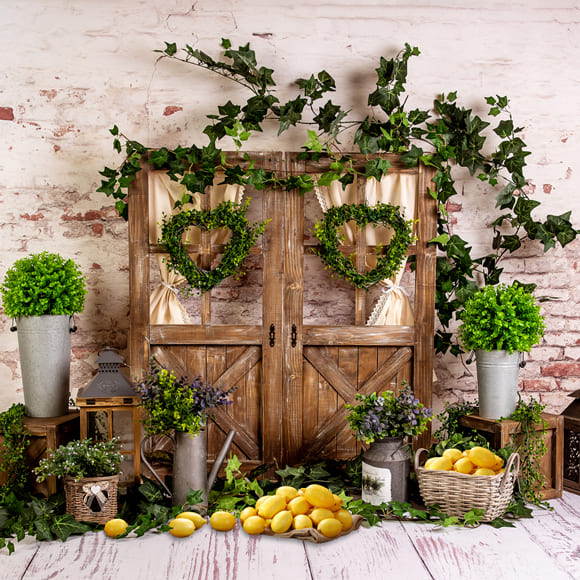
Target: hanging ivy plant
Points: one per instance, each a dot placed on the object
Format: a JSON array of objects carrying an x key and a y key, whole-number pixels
[
  {"x": 445, "y": 138},
  {"x": 226, "y": 215},
  {"x": 391, "y": 256}
]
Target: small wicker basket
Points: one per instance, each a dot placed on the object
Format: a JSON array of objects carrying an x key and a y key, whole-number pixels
[
  {"x": 457, "y": 493},
  {"x": 92, "y": 499}
]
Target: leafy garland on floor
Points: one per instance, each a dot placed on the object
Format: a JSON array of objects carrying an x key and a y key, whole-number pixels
[
  {"x": 226, "y": 215},
  {"x": 388, "y": 263},
  {"x": 452, "y": 138}
]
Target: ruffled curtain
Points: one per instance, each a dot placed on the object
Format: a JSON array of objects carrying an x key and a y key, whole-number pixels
[
  {"x": 393, "y": 306},
  {"x": 165, "y": 307}
]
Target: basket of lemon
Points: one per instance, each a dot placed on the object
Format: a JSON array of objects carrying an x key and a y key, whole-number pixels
[{"x": 461, "y": 481}]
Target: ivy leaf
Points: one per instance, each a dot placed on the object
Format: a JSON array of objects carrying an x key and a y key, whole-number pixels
[
  {"x": 291, "y": 113},
  {"x": 65, "y": 525},
  {"x": 377, "y": 168},
  {"x": 329, "y": 117},
  {"x": 170, "y": 48},
  {"x": 442, "y": 239},
  {"x": 413, "y": 156},
  {"x": 511, "y": 242}
]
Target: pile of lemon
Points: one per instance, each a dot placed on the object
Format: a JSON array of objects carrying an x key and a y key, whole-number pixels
[{"x": 474, "y": 461}]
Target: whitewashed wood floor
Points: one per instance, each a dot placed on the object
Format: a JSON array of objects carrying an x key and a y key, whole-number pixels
[{"x": 546, "y": 547}]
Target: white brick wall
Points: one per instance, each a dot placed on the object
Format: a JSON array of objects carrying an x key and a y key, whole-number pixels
[{"x": 70, "y": 70}]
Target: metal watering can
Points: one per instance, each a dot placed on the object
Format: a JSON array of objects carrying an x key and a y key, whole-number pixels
[{"x": 190, "y": 466}]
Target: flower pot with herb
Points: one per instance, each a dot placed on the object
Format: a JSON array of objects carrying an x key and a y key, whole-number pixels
[
  {"x": 41, "y": 292},
  {"x": 180, "y": 409},
  {"x": 500, "y": 323},
  {"x": 90, "y": 471},
  {"x": 383, "y": 421}
]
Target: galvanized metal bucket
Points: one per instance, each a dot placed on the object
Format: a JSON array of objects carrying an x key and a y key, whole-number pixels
[
  {"x": 497, "y": 382},
  {"x": 44, "y": 344}
]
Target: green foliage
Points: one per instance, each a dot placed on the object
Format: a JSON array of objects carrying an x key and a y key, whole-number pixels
[
  {"x": 41, "y": 284},
  {"x": 501, "y": 318},
  {"x": 80, "y": 459},
  {"x": 14, "y": 441},
  {"x": 388, "y": 261},
  {"x": 388, "y": 415},
  {"x": 179, "y": 404},
  {"x": 225, "y": 215},
  {"x": 447, "y": 138}
]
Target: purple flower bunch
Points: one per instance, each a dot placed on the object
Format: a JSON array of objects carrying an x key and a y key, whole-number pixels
[
  {"x": 178, "y": 404},
  {"x": 388, "y": 415}
]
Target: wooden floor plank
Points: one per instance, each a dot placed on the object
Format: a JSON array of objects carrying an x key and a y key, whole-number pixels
[{"x": 375, "y": 553}]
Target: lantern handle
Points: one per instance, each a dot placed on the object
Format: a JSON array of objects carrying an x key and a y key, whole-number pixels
[{"x": 72, "y": 328}]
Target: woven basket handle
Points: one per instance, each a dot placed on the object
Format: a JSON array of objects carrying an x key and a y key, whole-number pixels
[
  {"x": 418, "y": 456},
  {"x": 513, "y": 464}
]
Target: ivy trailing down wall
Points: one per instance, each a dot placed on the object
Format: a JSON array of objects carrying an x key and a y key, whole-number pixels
[{"x": 448, "y": 137}]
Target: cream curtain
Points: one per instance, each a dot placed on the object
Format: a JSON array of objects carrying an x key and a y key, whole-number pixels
[
  {"x": 393, "y": 307},
  {"x": 165, "y": 307}
]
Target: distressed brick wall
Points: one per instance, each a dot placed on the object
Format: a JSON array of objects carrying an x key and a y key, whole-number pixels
[{"x": 72, "y": 70}]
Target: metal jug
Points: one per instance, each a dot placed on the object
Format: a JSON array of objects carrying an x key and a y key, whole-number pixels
[{"x": 190, "y": 466}]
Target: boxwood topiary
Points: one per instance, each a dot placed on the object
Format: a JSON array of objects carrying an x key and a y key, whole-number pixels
[
  {"x": 41, "y": 284},
  {"x": 501, "y": 318}
]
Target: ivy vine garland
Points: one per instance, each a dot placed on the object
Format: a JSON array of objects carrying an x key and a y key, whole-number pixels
[
  {"x": 388, "y": 263},
  {"x": 226, "y": 215}
]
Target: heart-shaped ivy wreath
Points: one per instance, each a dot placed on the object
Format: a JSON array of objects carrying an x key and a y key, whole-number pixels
[
  {"x": 388, "y": 262},
  {"x": 226, "y": 215}
]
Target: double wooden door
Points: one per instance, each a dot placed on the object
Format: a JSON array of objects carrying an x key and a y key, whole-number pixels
[{"x": 292, "y": 338}]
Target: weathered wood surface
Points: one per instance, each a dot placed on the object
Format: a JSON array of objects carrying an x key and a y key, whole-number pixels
[{"x": 547, "y": 546}]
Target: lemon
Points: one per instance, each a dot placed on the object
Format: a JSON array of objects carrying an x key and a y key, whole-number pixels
[
  {"x": 453, "y": 454},
  {"x": 181, "y": 527},
  {"x": 498, "y": 462},
  {"x": 484, "y": 471},
  {"x": 222, "y": 521},
  {"x": 260, "y": 501},
  {"x": 281, "y": 522},
  {"x": 429, "y": 462},
  {"x": 441, "y": 463},
  {"x": 287, "y": 492},
  {"x": 197, "y": 519},
  {"x": 301, "y": 521},
  {"x": 337, "y": 503},
  {"x": 319, "y": 514},
  {"x": 115, "y": 527},
  {"x": 254, "y": 525},
  {"x": 345, "y": 518},
  {"x": 463, "y": 465},
  {"x": 246, "y": 513},
  {"x": 482, "y": 457},
  {"x": 330, "y": 527},
  {"x": 299, "y": 505},
  {"x": 271, "y": 506},
  {"x": 319, "y": 496}
]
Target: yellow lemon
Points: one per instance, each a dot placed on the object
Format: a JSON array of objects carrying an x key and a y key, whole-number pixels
[
  {"x": 337, "y": 503},
  {"x": 260, "y": 501},
  {"x": 246, "y": 513},
  {"x": 319, "y": 496},
  {"x": 287, "y": 492},
  {"x": 463, "y": 465},
  {"x": 299, "y": 505},
  {"x": 281, "y": 522},
  {"x": 197, "y": 519},
  {"x": 482, "y": 457},
  {"x": 330, "y": 527},
  {"x": 345, "y": 518},
  {"x": 441, "y": 463},
  {"x": 271, "y": 506},
  {"x": 319, "y": 514},
  {"x": 453, "y": 454},
  {"x": 301, "y": 521},
  {"x": 181, "y": 527},
  {"x": 484, "y": 471},
  {"x": 498, "y": 462},
  {"x": 115, "y": 527},
  {"x": 429, "y": 462},
  {"x": 254, "y": 525},
  {"x": 222, "y": 521}
]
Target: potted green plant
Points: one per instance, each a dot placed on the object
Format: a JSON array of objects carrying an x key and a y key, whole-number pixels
[
  {"x": 500, "y": 323},
  {"x": 41, "y": 292},
  {"x": 90, "y": 471},
  {"x": 383, "y": 421},
  {"x": 180, "y": 409}
]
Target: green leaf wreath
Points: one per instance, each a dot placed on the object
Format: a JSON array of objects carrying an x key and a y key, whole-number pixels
[
  {"x": 388, "y": 262},
  {"x": 226, "y": 215}
]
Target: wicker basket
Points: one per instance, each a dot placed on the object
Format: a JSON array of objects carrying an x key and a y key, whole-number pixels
[
  {"x": 93, "y": 499},
  {"x": 457, "y": 493}
]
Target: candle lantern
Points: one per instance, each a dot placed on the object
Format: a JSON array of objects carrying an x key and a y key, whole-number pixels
[
  {"x": 572, "y": 444},
  {"x": 109, "y": 407}
]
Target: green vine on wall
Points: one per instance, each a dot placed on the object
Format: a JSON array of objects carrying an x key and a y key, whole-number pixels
[
  {"x": 15, "y": 439},
  {"x": 446, "y": 138}
]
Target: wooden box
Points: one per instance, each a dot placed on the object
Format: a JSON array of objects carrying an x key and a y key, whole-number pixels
[
  {"x": 498, "y": 433},
  {"x": 48, "y": 433}
]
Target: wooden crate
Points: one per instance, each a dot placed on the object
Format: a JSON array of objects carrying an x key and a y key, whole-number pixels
[{"x": 498, "y": 433}]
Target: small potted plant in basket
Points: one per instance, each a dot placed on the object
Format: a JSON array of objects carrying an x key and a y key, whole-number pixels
[
  {"x": 180, "y": 409},
  {"x": 383, "y": 421},
  {"x": 499, "y": 323},
  {"x": 91, "y": 475}
]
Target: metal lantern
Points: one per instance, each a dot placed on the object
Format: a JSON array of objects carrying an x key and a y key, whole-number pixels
[
  {"x": 572, "y": 444},
  {"x": 109, "y": 407}
]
